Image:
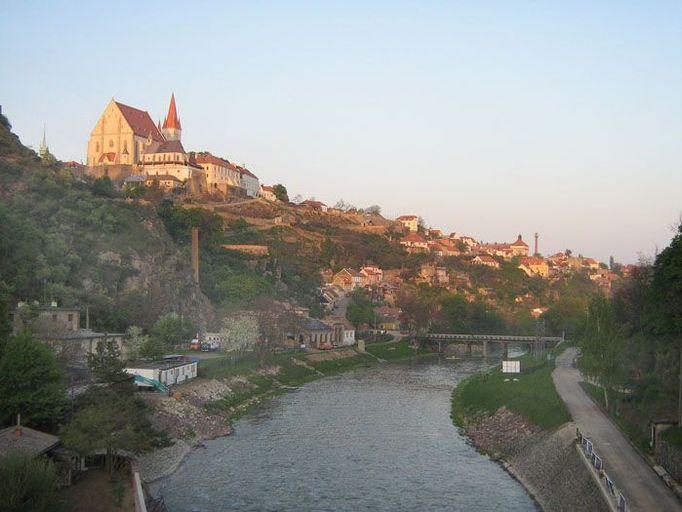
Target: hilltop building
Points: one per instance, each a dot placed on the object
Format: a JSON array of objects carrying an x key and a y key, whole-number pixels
[
  {"x": 125, "y": 141},
  {"x": 410, "y": 222}
]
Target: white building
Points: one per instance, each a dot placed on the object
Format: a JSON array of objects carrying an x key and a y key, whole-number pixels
[
  {"x": 173, "y": 370},
  {"x": 249, "y": 182}
]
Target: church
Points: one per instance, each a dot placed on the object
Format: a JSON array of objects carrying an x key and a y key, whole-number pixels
[{"x": 125, "y": 143}]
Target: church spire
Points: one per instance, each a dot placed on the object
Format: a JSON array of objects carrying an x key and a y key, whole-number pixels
[
  {"x": 171, "y": 125},
  {"x": 44, "y": 149}
]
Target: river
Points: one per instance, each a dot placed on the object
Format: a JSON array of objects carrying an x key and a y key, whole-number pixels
[{"x": 375, "y": 439}]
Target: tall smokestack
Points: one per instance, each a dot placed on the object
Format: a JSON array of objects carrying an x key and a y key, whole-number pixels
[
  {"x": 195, "y": 254},
  {"x": 536, "y": 245}
]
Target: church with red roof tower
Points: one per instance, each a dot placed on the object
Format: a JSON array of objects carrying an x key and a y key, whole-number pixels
[{"x": 126, "y": 145}]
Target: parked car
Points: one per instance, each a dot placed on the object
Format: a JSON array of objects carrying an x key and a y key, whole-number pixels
[{"x": 195, "y": 345}]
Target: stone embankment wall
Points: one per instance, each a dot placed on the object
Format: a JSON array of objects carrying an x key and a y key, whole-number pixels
[
  {"x": 546, "y": 463},
  {"x": 670, "y": 458}
]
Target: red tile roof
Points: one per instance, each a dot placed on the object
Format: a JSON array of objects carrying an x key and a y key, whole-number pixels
[
  {"x": 208, "y": 158},
  {"x": 140, "y": 122},
  {"x": 519, "y": 243},
  {"x": 169, "y": 146},
  {"x": 246, "y": 172},
  {"x": 172, "y": 120},
  {"x": 107, "y": 156},
  {"x": 407, "y": 217},
  {"x": 414, "y": 238}
]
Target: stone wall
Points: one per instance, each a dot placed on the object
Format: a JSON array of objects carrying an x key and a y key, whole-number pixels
[
  {"x": 670, "y": 457},
  {"x": 546, "y": 463},
  {"x": 551, "y": 469}
]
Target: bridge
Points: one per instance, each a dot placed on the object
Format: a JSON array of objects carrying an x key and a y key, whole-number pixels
[{"x": 470, "y": 339}]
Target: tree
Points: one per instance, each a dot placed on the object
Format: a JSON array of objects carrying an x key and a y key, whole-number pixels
[
  {"x": 239, "y": 332},
  {"x": 31, "y": 383},
  {"x": 5, "y": 325},
  {"x": 171, "y": 330},
  {"x": 375, "y": 209},
  {"x": 111, "y": 421},
  {"x": 280, "y": 192},
  {"x": 665, "y": 297},
  {"x": 106, "y": 364},
  {"x": 360, "y": 310},
  {"x": 417, "y": 310},
  {"x": 602, "y": 347},
  {"x": 103, "y": 187},
  {"x": 136, "y": 340},
  {"x": 27, "y": 483},
  {"x": 567, "y": 316}
]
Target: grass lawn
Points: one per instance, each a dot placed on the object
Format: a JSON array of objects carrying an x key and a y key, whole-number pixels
[
  {"x": 634, "y": 433},
  {"x": 533, "y": 395}
]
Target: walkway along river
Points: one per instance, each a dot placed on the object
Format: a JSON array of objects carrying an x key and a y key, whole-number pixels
[{"x": 377, "y": 439}]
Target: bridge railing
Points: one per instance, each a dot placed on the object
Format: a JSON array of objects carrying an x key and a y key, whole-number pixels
[
  {"x": 491, "y": 337},
  {"x": 589, "y": 452}
]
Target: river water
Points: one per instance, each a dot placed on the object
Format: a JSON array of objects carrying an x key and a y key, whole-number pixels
[{"x": 375, "y": 439}]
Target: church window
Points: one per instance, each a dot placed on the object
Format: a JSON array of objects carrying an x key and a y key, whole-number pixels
[
  {"x": 97, "y": 147},
  {"x": 111, "y": 143}
]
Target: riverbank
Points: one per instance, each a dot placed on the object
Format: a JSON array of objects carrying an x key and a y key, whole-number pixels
[
  {"x": 520, "y": 421},
  {"x": 206, "y": 407}
]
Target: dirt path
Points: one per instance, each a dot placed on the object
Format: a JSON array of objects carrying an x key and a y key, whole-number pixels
[{"x": 643, "y": 489}]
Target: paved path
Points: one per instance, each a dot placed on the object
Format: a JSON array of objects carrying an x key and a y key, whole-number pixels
[{"x": 643, "y": 489}]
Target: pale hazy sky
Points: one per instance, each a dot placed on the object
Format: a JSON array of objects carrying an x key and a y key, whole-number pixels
[{"x": 488, "y": 118}]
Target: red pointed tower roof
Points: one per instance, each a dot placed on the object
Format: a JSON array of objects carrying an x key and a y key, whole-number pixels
[{"x": 172, "y": 120}]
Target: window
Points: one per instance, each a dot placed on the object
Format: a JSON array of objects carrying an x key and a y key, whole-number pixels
[
  {"x": 70, "y": 317},
  {"x": 111, "y": 143},
  {"x": 97, "y": 147}
]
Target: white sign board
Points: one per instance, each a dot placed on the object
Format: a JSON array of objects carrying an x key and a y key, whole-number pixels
[{"x": 511, "y": 366}]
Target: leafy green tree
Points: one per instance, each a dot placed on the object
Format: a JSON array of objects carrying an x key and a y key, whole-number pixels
[
  {"x": 31, "y": 383},
  {"x": 103, "y": 187},
  {"x": 171, "y": 330},
  {"x": 27, "y": 484},
  {"x": 280, "y": 192},
  {"x": 106, "y": 364},
  {"x": 360, "y": 310},
  {"x": 110, "y": 421},
  {"x": 665, "y": 299},
  {"x": 602, "y": 347},
  {"x": 152, "y": 348},
  {"x": 568, "y": 316}
]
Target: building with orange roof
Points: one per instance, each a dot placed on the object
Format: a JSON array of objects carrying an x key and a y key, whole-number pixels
[
  {"x": 486, "y": 260},
  {"x": 221, "y": 176},
  {"x": 534, "y": 266},
  {"x": 414, "y": 242},
  {"x": 411, "y": 222}
]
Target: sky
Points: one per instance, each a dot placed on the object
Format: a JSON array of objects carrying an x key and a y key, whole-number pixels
[{"x": 485, "y": 118}]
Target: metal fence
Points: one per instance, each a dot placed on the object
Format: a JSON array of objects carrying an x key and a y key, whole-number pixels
[{"x": 597, "y": 462}]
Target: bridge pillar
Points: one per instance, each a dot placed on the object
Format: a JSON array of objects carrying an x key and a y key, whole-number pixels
[
  {"x": 485, "y": 349},
  {"x": 440, "y": 348},
  {"x": 505, "y": 351}
]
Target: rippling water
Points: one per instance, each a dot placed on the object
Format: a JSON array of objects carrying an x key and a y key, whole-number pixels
[{"x": 377, "y": 439}]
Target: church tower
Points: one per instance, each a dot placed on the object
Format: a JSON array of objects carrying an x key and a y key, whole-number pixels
[{"x": 171, "y": 125}]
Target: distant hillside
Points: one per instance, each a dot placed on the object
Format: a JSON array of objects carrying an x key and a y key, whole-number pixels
[{"x": 80, "y": 242}]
